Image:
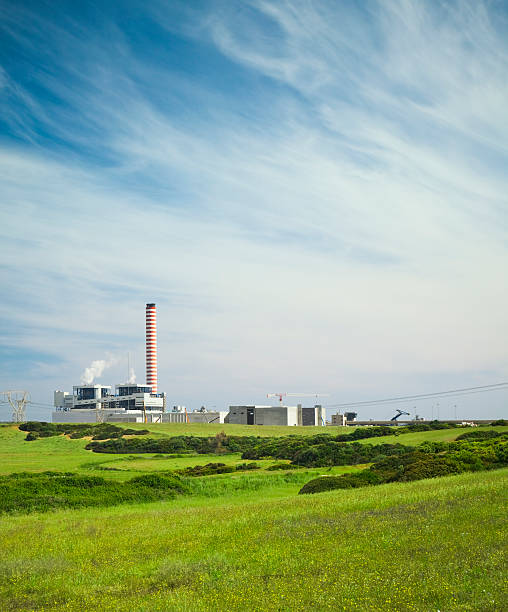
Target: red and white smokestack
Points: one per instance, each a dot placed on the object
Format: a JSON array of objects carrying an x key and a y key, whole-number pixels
[{"x": 151, "y": 347}]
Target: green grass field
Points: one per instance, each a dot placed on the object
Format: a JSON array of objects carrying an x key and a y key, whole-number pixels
[
  {"x": 60, "y": 453},
  {"x": 210, "y": 429},
  {"x": 429, "y": 545},
  {"x": 247, "y": 541},
  {"x": 63, "y": 454}
]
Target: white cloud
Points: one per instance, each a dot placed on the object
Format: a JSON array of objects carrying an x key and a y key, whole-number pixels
[{"x": 355, "y": 241}]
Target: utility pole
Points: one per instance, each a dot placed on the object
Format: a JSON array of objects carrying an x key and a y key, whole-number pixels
[
  {"x": 99, "y": 412},
  {"x": 17, "y": 400}
]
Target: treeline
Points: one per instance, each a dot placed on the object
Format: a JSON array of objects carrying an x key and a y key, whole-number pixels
[
  {"x": 211, "y": 469},
  {"x": 473, "y": 452},
  {"x": 305, "y": 451},
  {"x": 310, "y": 451},
  {"x": 99, "y": 431},
  {"x": 252, "y": 447},
  {"x": 219, "y": 444}
]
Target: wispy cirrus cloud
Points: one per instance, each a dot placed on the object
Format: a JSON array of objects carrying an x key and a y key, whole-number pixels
[{"x": 320, "y": 184}]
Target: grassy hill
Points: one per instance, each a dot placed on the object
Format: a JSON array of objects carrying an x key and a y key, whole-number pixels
[
  {"x": 429, "y": 545},
  {"x": 64, "y": 454},
  {"x": 247, "y": 541}
]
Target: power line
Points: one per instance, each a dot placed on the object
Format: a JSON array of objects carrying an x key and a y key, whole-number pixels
[
  {"x": 18, "y": 401},
  {"x": 503, "y": 386},
  {"x": 404, "y": 398}
]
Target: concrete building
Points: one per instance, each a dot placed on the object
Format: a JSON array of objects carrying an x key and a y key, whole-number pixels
[
  {"x": 276, "y": 415},
  {"x": 339, "y": 419},
  {"x": 131, "y": 403},
  {"x": 180, "y": 415}
]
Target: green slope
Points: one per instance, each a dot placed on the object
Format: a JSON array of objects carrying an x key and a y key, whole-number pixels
[{"x": 429, "y": 545}]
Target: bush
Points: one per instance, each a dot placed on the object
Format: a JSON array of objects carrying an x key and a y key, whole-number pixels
[
  {"x": 247, "y": 466},
  {"x": 99, "y": 431},
  {"x": 282, "y": 466},
  {"x": 478, "y": 434},
  {"x": 324, "y": 483},
  {"x": 364, "y": 478},
  {"x": 50, "y": 490},
  {"x": 337, "y": 453},
  {"x": 157, "y": 481},
  {"x": 207, "y": 470},
  {"x": 431, "y": 467}
]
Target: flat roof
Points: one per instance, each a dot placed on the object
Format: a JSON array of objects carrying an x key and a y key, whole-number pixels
[
  {"x": 91, "y": 386},
  {"x": 133, "y": 385}
]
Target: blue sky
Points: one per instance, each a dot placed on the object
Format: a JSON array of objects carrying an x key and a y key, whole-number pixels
[{"x": 314, "y": 194}]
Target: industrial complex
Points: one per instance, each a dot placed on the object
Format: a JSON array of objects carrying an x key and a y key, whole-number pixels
[{"x": 143, "y": 403}]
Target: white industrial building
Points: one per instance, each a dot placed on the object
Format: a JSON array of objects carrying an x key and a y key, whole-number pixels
[
  {"x": 179, "y": 414},
  {"x": 131, "y": 403}
]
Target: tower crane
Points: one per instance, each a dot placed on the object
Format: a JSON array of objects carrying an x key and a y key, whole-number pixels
[{"x": 281, "y": 395}]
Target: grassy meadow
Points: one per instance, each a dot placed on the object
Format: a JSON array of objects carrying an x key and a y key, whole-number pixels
[
  {"x": 60, "y": 453},
  {"x": 247, "y": 541}
]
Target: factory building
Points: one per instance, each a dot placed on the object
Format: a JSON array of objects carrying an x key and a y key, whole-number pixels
[
  {"x": 276, "y": 415},
  {"x": 339, "y": 419},
  {"x": 180, "y": 415},
  {"x": 131, "y": 402},
  {"x": 89, "y": 403}
]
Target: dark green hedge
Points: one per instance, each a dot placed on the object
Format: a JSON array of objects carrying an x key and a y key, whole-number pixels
[
  {"x": 479, "y": 434},
  {"x": 220, "y": 443},
  {"x": 99, "y": 431},
  {"x": 27, "y": 492},
  {"x": 426, "y": 461}
]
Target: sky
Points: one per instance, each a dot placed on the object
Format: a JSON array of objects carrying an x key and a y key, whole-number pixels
[{"x": 314, "y": 194}]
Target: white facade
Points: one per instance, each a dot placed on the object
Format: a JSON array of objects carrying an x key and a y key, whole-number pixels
[
  {"x": 79, "y": 415},
  {"x": 91, "y": 403},
  {"x": 276, "y": 415},
  {"x": 197, "y": 416}
]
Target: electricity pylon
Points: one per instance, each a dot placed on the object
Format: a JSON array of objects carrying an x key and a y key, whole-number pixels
[{"x": 17, "y": 400}]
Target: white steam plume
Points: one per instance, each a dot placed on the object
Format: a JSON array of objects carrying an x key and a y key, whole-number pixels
[
  {"x": 96, "y": 369},
  {"x": 132, "y": 376}
]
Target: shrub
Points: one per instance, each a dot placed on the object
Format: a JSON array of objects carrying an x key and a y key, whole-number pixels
[
  {"x": 325, "y": 483},
  {"x": 364, "y": 478},
  {"x": 157, "y": 481},
  {"x": 282, "y": 466},
  {"x": 207, "y": 470},
  {"x": 431, "y": 467},
  {"x": 478, "y": 434},
  {"x": 99, "y": 431},
  {"x": 48, "y": 490},
  {"x": 247, "y": 466}
]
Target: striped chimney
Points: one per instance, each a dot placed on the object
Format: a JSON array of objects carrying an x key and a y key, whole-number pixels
[{"x": 151, "y": 347}]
